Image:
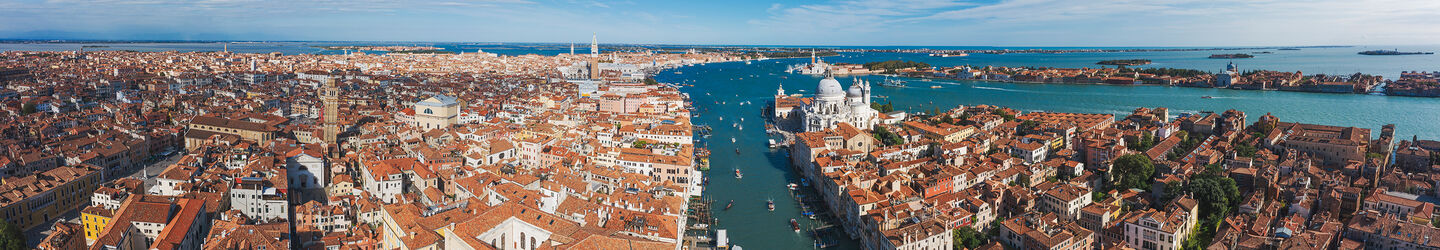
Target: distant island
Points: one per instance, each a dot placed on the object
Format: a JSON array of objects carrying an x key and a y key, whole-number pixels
[
  {"x": 787, "y": 54},
  {"x": 391, "y": 49},
  {"x": 892, "y": 65},
  {"x": 1392, "y": 53},
  {"x": 1230, "y": 56},
  {"x": 428, "y": 51},
  {"x": 94, "y": 46},
  {"x": 1125, "y": 62}
]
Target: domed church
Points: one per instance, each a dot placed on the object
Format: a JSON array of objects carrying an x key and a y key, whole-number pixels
[{"x": 834, "y": 105}]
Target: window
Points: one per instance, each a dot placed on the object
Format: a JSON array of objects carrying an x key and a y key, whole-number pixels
[{"x": 427, "y": 111}]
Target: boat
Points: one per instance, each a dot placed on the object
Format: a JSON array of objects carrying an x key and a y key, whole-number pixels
[
  {"x": 737, "y": 151},
  {"x": 772, "y": 144},
  {"x": 792, "y": 186},
  {"x": 935, "y": 86},
  {"x": 1207, "y": 97},
  {"x": 948, "y": 54},
  {"x": 770, "y": 204},
  {"x": 795, "y": 225},
  {"x": 732, "y": 139},
  {"x": 894, "y": 83},
  {"x": 747, "y": 62},
  {"x": 731, "y": 204},
  {"x": 738, "y": 175}
]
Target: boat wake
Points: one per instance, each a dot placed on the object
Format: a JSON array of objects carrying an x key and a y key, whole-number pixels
[{"x": 1006, "y": 90}]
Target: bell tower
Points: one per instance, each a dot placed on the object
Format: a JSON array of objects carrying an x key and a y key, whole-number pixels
[{"x": 330, "y": 98}]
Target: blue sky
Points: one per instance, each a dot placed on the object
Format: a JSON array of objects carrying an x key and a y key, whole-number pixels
[{"x": 810, "y": 22}]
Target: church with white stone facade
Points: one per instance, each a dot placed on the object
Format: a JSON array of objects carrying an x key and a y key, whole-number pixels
[{"x": 834, "y": 105}]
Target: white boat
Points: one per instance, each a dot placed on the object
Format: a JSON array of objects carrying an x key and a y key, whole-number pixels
[
  {"x": 732, "y": 139},
  {"x": 739, "y": 175}
]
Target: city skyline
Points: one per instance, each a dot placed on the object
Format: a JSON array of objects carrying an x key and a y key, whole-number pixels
[{"x": 823, "y": 23}]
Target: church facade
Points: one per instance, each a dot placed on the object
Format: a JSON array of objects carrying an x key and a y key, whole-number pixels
[{"x": 834, "y": 105}]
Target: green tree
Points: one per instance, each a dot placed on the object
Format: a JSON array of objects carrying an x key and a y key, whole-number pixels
[
  {"x": 1246, "y": 150},
  {"x": 1132, "y": 171},
  {"x": 10, "y": 236},
  {"x": 883, "y": 108},
  {"x": 1029, "y": 125},
  {"x": 968, "y": 238},
  {"x": 1007, "y": 115},
  {"x": 1173, "y": 189},
  {"x": 1145, "y": 142},
  {"x": 27, "y": 108},
  {"x": 1214, "y": 193},
  {"x": 883, "y": 135},
  {"x": 651, "y": 81}
]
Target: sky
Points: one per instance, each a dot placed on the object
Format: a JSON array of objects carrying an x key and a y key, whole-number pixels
[{"x": 744, "y": 22}]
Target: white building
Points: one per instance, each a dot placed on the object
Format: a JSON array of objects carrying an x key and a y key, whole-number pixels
[
  {"x": 384, "y": 180},
  {"x": 306, "y": 171},
  {"x": 1161, "y": 229},
  {"x": 833, "y": 105},
  {"x": 259, "y": 199}
]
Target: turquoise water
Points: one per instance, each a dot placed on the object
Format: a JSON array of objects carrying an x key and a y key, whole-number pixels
[{"x": 767, "y": 171}]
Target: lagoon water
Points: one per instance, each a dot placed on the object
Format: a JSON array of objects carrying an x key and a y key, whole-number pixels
[{"x": 767, "y": 171}]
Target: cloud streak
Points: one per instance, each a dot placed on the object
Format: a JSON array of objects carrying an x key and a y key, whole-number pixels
[{"x": 826, "y": 22}]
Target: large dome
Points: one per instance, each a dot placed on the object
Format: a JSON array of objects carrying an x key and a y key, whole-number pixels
[{"x": 829, "y": 87}]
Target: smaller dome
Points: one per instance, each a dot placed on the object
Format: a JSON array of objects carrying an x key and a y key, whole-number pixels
[{"x": 855, "y": 91}]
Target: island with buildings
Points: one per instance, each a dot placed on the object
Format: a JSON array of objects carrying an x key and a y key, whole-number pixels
[
  {"x": 1232, "y": 77},
  {"x": 1125, "y": 62}
]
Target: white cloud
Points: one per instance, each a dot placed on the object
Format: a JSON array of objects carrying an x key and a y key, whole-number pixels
[{"x": 1112, "y": 22}]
